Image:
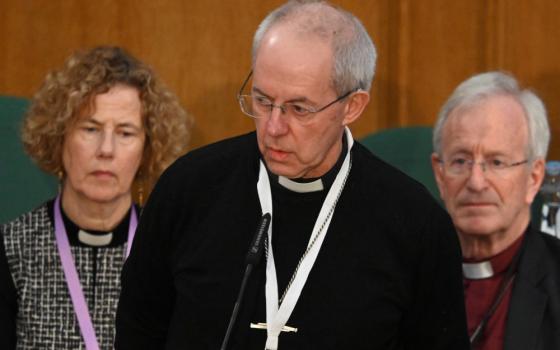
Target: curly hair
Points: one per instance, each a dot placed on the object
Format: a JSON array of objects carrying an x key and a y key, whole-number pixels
[{"x": 66, "y": 92}]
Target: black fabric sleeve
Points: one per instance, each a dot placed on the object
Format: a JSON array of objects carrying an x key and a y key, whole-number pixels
[
  {"x": 438, "y": 320},
  {"x": 148, "y": 302},
  {"x": 8, "y": 302},
  {"x": 147, "y": 295}
]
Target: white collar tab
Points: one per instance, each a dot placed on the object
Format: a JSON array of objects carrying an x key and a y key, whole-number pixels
[
  {"x": 301, "y": 187},
  {"x": 478, "y": 271},
  {"x": 95, "y": 240}
]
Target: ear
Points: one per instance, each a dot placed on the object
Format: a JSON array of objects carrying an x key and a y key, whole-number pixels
[
  {"x": 535, "y": 179},
  {"x": 357, "y": 102},
  {"x": 438, "y": 173}
]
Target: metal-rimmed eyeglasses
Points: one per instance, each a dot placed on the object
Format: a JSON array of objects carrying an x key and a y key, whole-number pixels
[
  {"x": 259, "y": 106},
  {"x": 461, "y": 166}
]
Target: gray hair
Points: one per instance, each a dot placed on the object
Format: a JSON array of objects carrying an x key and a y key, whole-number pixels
[
  {"x": 353, "y": 51},
  {"x": 482, "y": 86}
]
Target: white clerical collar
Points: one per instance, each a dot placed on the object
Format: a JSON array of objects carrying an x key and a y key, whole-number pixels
[
  {"x": 301, "y": 187},
  {"x": 477, "y": 271},
  {"x": 95, "y": 240}
]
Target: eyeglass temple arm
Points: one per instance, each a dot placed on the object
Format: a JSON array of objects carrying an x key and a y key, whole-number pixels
[{"x": 245, "y": 83}]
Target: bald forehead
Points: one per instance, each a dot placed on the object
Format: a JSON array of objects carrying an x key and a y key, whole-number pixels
[
  {"x": 318, "y": 20},
  {"x": 287, "y": 35},
  {"x": 284, "y": 56}
]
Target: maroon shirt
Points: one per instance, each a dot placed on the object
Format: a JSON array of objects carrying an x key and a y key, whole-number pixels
[{"x": 481, "y": 293}]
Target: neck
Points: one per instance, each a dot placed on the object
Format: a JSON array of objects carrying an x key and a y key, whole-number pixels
[
  {"x": 330, "y": 160},
  {"x": 481, "y": 247},
  {"x": 92, "y": 215}
]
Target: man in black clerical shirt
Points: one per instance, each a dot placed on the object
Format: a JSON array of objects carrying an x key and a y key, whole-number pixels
[
  {"x": 490, "y": 142},
  {"x": 358, "y": 255}
]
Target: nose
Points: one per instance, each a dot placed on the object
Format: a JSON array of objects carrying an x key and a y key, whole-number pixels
[
  {"x": 477, "y": 178},
  {"x": 276, "y": 124},
  {"x": 106, "y": 146}
]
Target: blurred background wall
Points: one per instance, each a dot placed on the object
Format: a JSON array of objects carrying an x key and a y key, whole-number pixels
[{"x": 201, "y": 49}]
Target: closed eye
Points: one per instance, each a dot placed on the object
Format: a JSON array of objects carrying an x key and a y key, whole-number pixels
[
  {"x": 90, "y": 129},
  {"x": 126, "y": 133},
  {"x": 262, "y": 101},
  {"x": 298, "y": 109}
]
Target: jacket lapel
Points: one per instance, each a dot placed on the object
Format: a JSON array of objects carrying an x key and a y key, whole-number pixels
[{"x": 528, "y": 303}]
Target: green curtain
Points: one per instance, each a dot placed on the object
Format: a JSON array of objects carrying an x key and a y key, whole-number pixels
[
  {"x": 408, "y": 149},
  {"x": 22, "y": 185}
]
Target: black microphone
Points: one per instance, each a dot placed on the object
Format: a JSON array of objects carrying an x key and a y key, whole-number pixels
[
  {"x": 255, "y": 252},
  {"x": 253, "y": 258}
]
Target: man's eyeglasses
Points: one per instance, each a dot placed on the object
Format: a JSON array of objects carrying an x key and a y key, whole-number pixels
[
  {"x": 459, "y": 166},
  {"x": 258, "y": 106}
]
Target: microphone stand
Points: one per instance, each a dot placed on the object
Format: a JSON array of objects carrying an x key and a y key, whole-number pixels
[{"x": 253, "y": 258}]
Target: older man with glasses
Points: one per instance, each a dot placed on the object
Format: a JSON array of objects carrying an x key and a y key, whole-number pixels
[
  {"x": 358, "y": 256},
  {"x": 490, "y": 143}
]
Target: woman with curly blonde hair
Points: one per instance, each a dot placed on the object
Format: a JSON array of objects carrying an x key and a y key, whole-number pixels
[{"x": 104, "y": 124}]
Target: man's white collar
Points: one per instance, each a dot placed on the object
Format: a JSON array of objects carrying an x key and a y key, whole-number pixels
[
  {"x": 477, "y": 271},
  {"x": 301, "y": 187}
]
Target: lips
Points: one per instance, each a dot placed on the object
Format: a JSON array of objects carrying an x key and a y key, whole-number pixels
[
  {"x": 103, "y": 173},
  {"x": 476, "y": 208},
  {"x": 276, "y": 154},
  {"x": 476, "y": 204}
]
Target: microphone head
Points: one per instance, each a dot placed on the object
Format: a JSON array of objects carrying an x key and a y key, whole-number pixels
[{"x": 256, "y": 249}]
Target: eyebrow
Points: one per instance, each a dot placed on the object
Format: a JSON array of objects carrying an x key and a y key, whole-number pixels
[
  {"x": 468, "y": 153},
  {"x": 120, "y": 125},
  {"x": 293, "y": 100}
]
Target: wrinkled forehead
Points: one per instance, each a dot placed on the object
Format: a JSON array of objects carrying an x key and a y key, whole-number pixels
[{"x": 493, "y": 125}]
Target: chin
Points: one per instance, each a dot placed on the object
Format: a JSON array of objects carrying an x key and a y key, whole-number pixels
[
  {"x": 476, "y": 226},
  {"x": 104, "y": 196},
  {"x": 284, "y": 173},
  {"x": 281, "y": 169}
]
